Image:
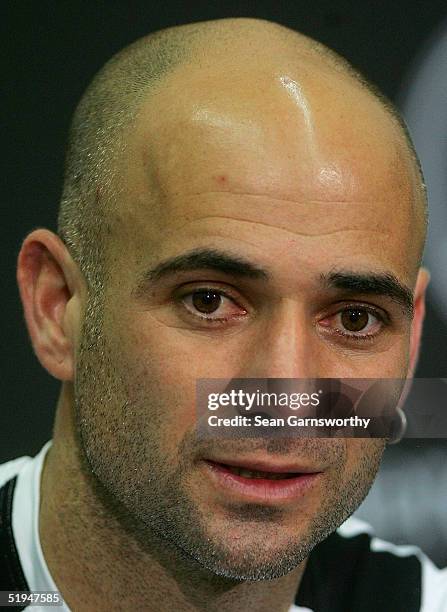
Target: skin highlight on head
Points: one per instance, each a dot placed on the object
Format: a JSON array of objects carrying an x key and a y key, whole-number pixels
[{"x": 274, "y": 153}]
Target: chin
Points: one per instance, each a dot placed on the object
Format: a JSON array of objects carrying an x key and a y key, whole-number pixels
[
  {"x": 252, "y": 564},
  {"x": 253, "y": 551}
]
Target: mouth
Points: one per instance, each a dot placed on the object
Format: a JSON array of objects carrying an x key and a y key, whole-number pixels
[
  {"x": 261, "y": 482},
  {"x": 239, "y": 471}
]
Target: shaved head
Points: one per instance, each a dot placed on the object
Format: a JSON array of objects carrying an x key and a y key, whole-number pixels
[{"x": 230, "y": 52}]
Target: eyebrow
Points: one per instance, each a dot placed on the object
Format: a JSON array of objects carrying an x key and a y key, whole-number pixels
[
  {"x": 204, "y": 259},
  {"x": 385, "y": 284}
]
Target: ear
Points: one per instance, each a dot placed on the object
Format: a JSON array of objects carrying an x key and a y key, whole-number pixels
[
  {"x": 52, "y": 291},
  {"x": 418, "y": 318}
]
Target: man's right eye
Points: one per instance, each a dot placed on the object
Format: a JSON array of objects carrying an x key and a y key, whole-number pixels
[
  {"x": 206, "y": 302},
  {"x": 212, "y": 305}
]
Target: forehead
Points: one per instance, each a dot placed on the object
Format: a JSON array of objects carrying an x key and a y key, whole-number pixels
[{"x": 303, "y": 153}]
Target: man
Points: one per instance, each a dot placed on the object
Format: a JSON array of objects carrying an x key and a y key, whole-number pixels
[{"x": 238, "y": 203}]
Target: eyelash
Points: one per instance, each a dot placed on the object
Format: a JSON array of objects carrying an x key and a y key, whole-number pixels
[
  {"x": 362, "y": 337},
  {"x": 209, "y": 320},
  {"x": 384, "y": 319}
]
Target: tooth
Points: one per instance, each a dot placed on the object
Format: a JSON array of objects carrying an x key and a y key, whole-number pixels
[
  {"x": 234, "y": 470},
  {"x": 257, "y": 474},
  {"x": 246, "y": 473}
]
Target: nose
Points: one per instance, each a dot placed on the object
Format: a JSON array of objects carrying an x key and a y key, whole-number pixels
[{"x": 285, "y": 346}]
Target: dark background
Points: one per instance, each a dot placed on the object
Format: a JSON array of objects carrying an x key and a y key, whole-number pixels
[{"x": 50, "y": 51}]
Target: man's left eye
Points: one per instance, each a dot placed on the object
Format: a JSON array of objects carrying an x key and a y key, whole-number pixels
[
  {"x": 212, "y": 305},
  {"x": 355, "y": 319},
  {"x": 357, "y": 322}
]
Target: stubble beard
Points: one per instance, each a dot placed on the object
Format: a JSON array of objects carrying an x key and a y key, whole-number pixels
[{"x": 147, "y": 499}]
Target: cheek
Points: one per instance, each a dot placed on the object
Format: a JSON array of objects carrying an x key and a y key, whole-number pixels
[
  {"x": 159, "y": 379},
  {"x": 176, "y": 355},
  {"x": 363, "y": 458},
  {"x": 397, "y": 359},
  {"x": 392, "y": 362}
]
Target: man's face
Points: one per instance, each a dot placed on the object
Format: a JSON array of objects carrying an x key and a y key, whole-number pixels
[{"x": 295, "y": 186}]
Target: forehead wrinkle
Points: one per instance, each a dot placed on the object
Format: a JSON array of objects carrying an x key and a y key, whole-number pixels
[
  {"x": 342, "y": 177},
  {"x": 163, "y": 187},
  {"x": 169, "y": 186},
  {"x": 368, "y": 215},
  {"x": 283, "y": 229},
  {"x": 167, "y": 201},
  {"x": 120, "y": 89}
]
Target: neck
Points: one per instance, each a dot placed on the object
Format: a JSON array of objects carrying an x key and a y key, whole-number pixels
[{"x": 97, "y": 564}]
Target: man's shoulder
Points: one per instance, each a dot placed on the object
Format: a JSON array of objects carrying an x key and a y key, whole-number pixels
[
  {"x": 11, "y": 468},
  {"x": 355, "y": 570}
]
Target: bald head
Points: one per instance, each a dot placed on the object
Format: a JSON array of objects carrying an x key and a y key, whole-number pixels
[
  {"x": 242, "y": 206},
  {"x": 250, "y": 81}
]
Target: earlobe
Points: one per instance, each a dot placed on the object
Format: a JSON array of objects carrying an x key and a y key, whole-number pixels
[
  {"x": 46, "y": 276},
  {"x": 419, "y": 313}
]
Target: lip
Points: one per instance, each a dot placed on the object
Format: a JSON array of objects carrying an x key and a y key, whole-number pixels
[
  {"x": 266, "y": 465},
  {"x": 261, "y": 490}
]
